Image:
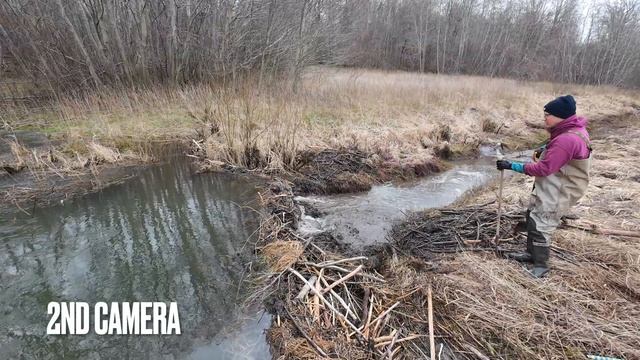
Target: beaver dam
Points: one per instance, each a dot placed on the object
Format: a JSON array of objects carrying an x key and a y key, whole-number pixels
[
  {"x": 333, "y": 300},
  {"x": 329, "y": 305}
]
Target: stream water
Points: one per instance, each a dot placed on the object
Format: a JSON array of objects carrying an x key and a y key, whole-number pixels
[
  {"x": 364, "y": 219},
  {"x": 166, "y": 235}
]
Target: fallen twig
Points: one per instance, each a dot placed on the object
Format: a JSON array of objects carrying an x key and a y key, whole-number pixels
[{"x": 432, "y": 343}]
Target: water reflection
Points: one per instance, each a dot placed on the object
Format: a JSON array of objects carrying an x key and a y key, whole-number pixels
[{"x": 164, "y": 236}]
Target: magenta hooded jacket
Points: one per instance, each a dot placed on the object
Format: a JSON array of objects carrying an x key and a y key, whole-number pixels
[{"x": 563, "y": 147}]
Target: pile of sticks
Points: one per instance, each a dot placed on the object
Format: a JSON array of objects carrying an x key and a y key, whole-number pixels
[
  {"x": 455, "y": 230},
  {"x": 338, "y": 305},
  {"x": 326, "y": 305},
  {"x": 343, "y": 159},
  {"x": 323, "y": 168}
]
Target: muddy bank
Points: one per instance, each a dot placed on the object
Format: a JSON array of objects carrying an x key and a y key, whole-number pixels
[
  {"x": 328, "y": 170},
  {"x": 36, "y": 170}
]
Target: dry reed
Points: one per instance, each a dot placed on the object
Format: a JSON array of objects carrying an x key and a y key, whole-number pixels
[{"x": 394, "y": 114}]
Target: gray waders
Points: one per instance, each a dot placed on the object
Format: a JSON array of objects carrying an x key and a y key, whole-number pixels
[{"x": 552, "y": 196}]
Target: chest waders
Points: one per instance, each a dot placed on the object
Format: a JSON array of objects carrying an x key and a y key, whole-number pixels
[{"x": 552, "y": 197}]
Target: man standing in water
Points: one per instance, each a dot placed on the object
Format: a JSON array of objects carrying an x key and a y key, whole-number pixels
[{"x": 561, "y": 169}]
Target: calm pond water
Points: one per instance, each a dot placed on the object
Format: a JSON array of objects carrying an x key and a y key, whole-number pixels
[{"x": 166, "y": 235}]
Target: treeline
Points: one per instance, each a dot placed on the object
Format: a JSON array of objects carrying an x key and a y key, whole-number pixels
[{"x": 78, "y": 44}]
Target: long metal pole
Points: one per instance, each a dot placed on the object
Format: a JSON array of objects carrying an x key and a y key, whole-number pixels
[
  {"x": 500, "y": 157},
  {"x": 499, "y": 206}
]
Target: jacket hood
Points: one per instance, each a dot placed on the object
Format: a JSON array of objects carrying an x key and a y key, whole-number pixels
[{"x": 572, "y": 122}]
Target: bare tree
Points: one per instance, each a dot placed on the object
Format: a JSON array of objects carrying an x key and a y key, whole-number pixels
[{"x": 84, "y": 44}]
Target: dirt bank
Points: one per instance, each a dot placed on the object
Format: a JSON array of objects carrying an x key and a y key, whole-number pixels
[
  {"x": 485, "y": 306},
  {"x": 37, "y": 170}
]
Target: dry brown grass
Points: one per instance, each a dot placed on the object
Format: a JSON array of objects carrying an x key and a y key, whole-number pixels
[
  {"x": 395, "y": 114},
  {"x": 69, "y": 160},
  {"x": 281, "y": 254},
  {"x": 496, "y": 306}
]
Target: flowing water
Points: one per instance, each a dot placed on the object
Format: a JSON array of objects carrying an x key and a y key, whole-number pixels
[
  {"x": 365, "y": 218},
  {"x": 164, "y": 236}
]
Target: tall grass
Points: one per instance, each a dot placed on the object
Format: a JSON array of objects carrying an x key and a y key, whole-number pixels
[{"x": 393, "y": 114}]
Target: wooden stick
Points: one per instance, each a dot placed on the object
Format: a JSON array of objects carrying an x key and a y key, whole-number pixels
[
  {"x": 365, "y": 306},
  {"x": 380, "y": 325},
  {"x": 381, "y": 340},
  {"x": 477, "y": 352},
  {"x": 316, "y": 298},
  {"x": 347, "y": 277},
  {"x": 384, "y": 313},
  {"x": 326, "y": 303},
  {"x": 432, "y": 342},
  {"x": 336, "y": 262},
  {"x": 365, "y": 330},
  {"x": 388, "y": 339},
  {"x": 304, "y": 334},
  {"x": 393, "y": 342},
  {"x": 341, "y": 269},
  {"x": 305, "y": 289},
  {"x": 596, "y": 230},
  {"x": 342, "y": 302},
  {"x": 349, "y": 298}
]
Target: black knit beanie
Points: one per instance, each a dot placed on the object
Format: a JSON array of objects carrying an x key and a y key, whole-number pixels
[{"x": 562, "y": 107}]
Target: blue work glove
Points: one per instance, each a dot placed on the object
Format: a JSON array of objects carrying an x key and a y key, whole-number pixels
[{"x": 508, "y": 165}]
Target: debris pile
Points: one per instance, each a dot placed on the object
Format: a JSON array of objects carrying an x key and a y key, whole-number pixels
[
  {"x": 349, "y": 169},
  {"x": 453, "y": 230},
  {"x": 329, "y": 306},
  {"x": 335, "y": 171}
]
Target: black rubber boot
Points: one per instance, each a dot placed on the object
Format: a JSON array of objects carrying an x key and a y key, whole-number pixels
[
  {"x": 525, "y": 256},
  {"x": 540, "y": 261},
  {"x": 539, "y": 254}
]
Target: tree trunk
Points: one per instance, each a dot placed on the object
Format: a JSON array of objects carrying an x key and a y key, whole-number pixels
[{"x": 80, "y": 45}]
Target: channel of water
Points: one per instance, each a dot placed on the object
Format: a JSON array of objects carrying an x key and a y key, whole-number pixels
[
  {"x": 364, "y": 219},
  {"x": 169, "y": 235}
]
